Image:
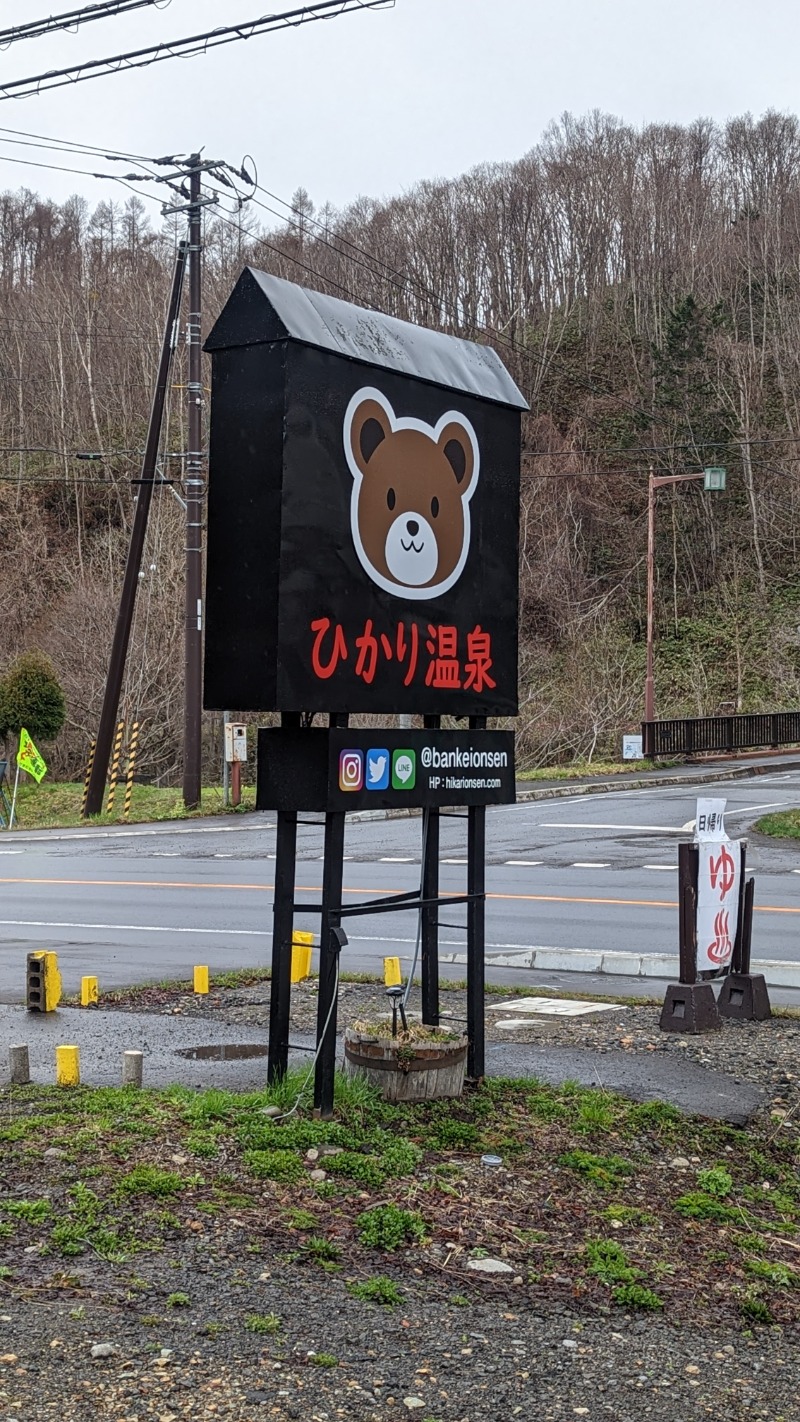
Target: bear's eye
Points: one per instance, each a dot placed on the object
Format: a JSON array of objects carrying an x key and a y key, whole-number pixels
[
  {"x": 391, "y": 498},
  {"x": 434, "y": 508}
]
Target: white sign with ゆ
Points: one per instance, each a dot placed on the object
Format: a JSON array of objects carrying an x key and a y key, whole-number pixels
[{"x": 719, "y": 873}]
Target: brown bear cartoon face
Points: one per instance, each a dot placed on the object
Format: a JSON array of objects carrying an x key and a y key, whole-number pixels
[{"x": 412, "y": 483}]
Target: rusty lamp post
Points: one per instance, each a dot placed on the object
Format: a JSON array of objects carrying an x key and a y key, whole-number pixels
[{"x": 714, "y": 480}]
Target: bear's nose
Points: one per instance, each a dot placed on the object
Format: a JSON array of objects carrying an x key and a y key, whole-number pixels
[{"x": 413, "y": 527}]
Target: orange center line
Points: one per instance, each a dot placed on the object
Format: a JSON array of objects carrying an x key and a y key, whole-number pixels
[{"x": 378, "y": 893}]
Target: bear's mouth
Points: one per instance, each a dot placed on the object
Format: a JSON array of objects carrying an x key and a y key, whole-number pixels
[{"x": 412, "y": 547}]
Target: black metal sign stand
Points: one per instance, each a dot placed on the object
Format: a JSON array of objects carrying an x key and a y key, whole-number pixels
[
  {"x": 689, "y": 1005},
  {"x": 744, "y": 995},
  {"x": 333, "y": 936}
]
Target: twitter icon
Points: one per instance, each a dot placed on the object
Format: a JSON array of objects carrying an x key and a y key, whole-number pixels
[{"x": 377, "y": 770}]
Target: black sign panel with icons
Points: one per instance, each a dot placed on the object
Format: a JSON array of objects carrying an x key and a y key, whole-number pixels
[
  {"x": 380, "y": 769},
  {"x": 362, "y": 513}
]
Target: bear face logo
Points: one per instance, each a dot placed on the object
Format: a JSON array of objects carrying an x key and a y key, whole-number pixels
[{"x": 412, "y": 485}]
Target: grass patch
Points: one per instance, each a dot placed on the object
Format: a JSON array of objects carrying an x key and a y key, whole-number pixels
[
  {"x": 405, "y": 1178},
  {"x": 636, "y": 1296},
  {"x": 262, "y": 1323},
  {"x": 581, "y": 769},
  {"x": 784, "y": 824},
  {"x": 379, "y": 1290},
  {"x": 387, "y": 1227},
  {"x": 603, "y": 1170},
  {"x": 57, "y": 805}
]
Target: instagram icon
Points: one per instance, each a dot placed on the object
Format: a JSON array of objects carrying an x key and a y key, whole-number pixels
[{"x": 351, "y": 770}]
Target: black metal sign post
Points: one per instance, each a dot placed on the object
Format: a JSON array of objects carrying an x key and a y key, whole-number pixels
[
  {"x": 744, "y": 995},
  {"x": 363, "y": 524},
  {"x": 330, "y": 946},
  {"x": 429, "y": 928},
  {"x": 282, "y": 933},
  {"x": 689, "y": 1006},
  {"x": 476, "y": 934}
]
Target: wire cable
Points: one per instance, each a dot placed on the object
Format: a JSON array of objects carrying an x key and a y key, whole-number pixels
[
  {"x": 73, "y": 19},
  {"x": 186, "y": 48},
  {"x": 323, "y": 1035}
]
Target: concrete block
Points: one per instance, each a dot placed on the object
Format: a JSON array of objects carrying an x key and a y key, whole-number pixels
[
  {"x": 777, "y": 973},
  {"x": 19, "y": 1066},
  {"x": 567, "y": 960},
  {"x": 628, "y": 965},
  {"x": 659, "y": 965},
  {"x": 132, "y": 1068}
]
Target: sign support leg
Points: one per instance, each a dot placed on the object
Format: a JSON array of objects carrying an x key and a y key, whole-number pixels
[
  {"x": 332, "y": 873},
  {"x": 329, "y": 947},
  {"x": 430, "y": 914},
  {"x": 283, "y": 924},
  {"x": 476, "y": 929}
]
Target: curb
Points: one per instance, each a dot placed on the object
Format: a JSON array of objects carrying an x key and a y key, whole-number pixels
[
  {"x": 699, "y": 777},
  {"x": 629, "y": 965}
]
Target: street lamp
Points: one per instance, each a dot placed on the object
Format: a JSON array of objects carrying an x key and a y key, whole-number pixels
[{"x": 714, "y": 479}]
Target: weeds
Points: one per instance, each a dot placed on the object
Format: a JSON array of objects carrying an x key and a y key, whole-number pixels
[
  {"x": 387, "y": 1227},
  {"x": 262, "y": 1323},
  {"x": 602, "y": 1170},
  {"x": 379, "y": 1290},
  {"x": 635, "y": 1296}
]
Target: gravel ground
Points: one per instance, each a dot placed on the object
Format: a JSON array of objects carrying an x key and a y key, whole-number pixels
[
  {"x": 430, "y": 1358},
  {"x": 458, "y": 1347}
]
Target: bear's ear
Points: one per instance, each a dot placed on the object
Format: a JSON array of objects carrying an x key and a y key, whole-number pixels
[
  {"x": 370, "y": 425},
  {"x": 458, "y": 446}
]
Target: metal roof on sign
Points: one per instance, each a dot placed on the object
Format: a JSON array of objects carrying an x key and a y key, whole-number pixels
[{"x": 264, "y": 308}]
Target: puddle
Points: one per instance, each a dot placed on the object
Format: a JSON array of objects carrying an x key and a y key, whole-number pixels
[{"x": 224, "y": 1052}]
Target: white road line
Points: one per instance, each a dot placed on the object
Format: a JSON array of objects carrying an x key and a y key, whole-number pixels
[
  {"x": 524, "y": 863},
  {"x": 455, "y": 861},
  {"x": 245, "y": 933},
  {"x": 631, "y": 829},
  {"x": 165, "y": 827},
  {"x": 398, "y": 859},
  {"x": 589, "y": 864},
  {"x": 751, "y": 809},
  {"x": 661, "y": 866}
]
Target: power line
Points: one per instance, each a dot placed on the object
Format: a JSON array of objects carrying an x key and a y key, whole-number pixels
[
  {"x": 185, "y": 48},
  {"x": 72, "y": 19}
]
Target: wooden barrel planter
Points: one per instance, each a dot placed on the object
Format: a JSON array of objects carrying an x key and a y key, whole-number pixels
[{"x": 409, "y": 1071}]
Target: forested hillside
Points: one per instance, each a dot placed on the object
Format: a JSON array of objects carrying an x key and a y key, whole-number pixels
[{"x": 644, "y": 288}]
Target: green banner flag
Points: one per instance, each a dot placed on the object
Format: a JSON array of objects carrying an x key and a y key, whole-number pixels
[{"x": 28, "y": 757}]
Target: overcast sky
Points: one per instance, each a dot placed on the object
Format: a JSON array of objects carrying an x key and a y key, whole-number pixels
[{"x": 368, "y": 103}]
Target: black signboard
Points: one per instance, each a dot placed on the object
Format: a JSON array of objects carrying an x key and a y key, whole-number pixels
[
  {"x": 363, "y": 512},
  {"x": 380, "y": 769}
]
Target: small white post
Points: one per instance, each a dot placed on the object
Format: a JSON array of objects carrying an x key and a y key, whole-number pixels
[
  {"x": 14, "y": 799},
  {"x": 132, "y": 1068},
  {"x": 19, "y": 1066}
]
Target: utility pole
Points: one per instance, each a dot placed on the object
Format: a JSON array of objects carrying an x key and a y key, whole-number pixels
[
  {"x": 194, "y": 506},
  {"x": 119, "y": 650}
]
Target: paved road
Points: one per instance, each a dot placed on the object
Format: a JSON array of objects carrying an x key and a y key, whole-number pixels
[{"x": 595, "y": 871}]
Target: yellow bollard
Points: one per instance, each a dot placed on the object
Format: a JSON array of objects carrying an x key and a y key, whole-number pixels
[
  {"x": 89, "y": 992},
  {"x": 68, "y": 1066},
  {"x": 201, "y": 981},
  {"x": 302, "y": 944},
  {"x": 391, "y": 972}
]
